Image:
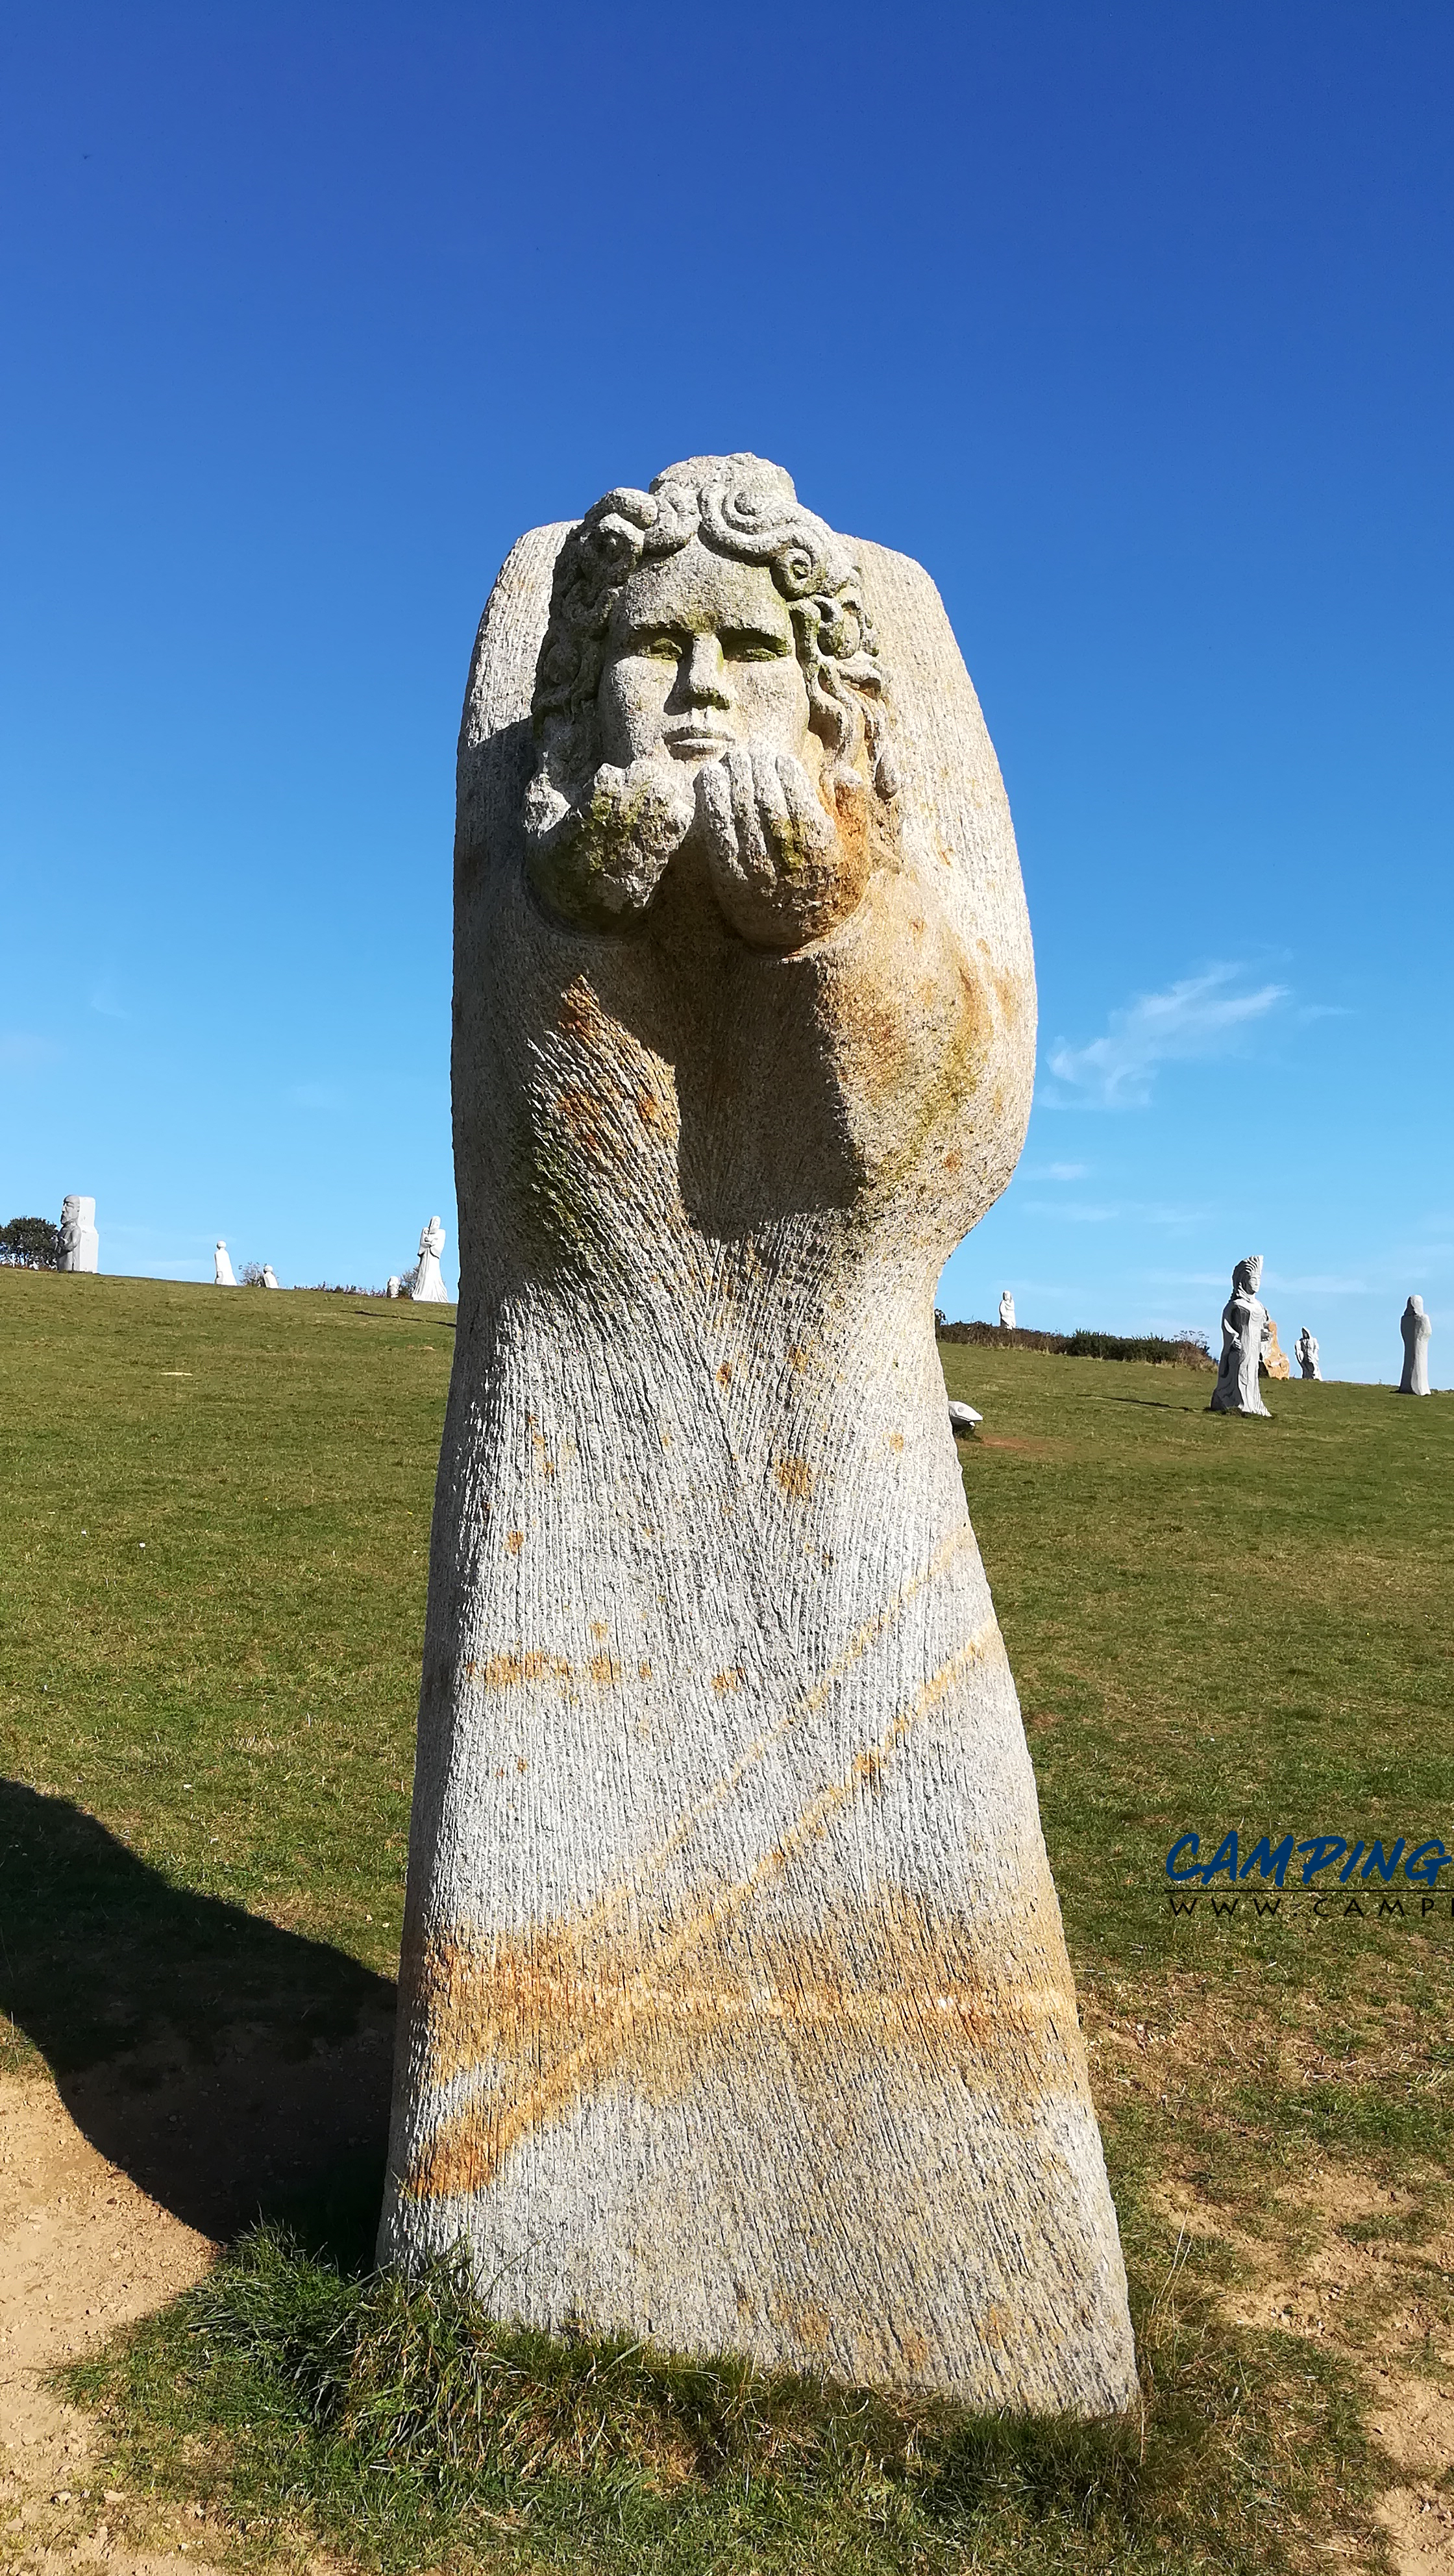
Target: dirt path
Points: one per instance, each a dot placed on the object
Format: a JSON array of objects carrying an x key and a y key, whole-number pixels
[
  {"x": 82, "y": 2251},
  {"x": 1373, "y": 2280}
]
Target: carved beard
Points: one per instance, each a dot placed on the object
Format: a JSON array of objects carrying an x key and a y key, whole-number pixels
[{"x": 787, "y": 862}]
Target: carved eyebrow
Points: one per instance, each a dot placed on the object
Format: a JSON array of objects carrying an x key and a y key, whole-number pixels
[{"x": 769, "y": 635}]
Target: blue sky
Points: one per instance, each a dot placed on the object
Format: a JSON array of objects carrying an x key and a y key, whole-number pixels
[{"x": 1133, "y": 323}]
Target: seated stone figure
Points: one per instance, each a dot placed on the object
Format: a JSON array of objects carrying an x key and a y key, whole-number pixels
[
  {"x": 1244, "y": 1323},
  {"x": 734, "y": 2003},
  {"x": 1306, "y": 1350},
  {"x": 1417, "y": 1330},
  {"x": 1007, "y": 1313}
]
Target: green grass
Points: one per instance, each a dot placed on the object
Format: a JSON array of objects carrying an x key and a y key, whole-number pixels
[{"x": 209, "y": 1739}]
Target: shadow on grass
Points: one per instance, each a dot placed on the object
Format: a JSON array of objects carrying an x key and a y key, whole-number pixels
[{"x": 232, "y": 2069}]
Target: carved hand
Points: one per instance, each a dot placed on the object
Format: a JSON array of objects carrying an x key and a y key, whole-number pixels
[
  {"x": 781, "y": 871},
  {"x": 603, "y": 860}
]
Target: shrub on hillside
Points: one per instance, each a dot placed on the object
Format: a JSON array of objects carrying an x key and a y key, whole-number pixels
[
  {"x": 31, "y": 1243},
  {"x": 1187, "y": 1349}
]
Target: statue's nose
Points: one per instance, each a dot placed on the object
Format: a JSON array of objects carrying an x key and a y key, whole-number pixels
[{"x": 703, "y": 674}]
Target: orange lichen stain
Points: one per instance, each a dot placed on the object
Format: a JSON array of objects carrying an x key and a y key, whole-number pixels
[
  {"x": 798, "y": 1358},
  {"x": 605, "y": 1669},
  {"x": 953, "y": 1160},
  {"x": 724, "y": 1374},
  {"x": 804, "y": 2321},
  {"x": 519, "y": 1665},
  {"x": 549, "y": 2016},
  {"x": 996, "y": 2325},
  {"x": 653, "y": 1112},
  {"x": 914, "y": 2348},
  {"x": 896, "y": 1441},
  {"x": 580, "y": 1014},
  {"x": 729, "y": 1681},
  {"x": 521, "y": 1763},
  {"x": 1010, "y": 994},
  {"x": 514, "y": 1541},
  {"x": 599, "y": 1629},
  {"x": 795, "y": 1477},
  {"x": 643, "y": 1672},
  {"x": 590, "y": 1122},
  {"x": 543, "y": 1458}
]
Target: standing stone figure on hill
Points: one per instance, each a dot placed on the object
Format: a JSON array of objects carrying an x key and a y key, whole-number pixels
[
  {"x": 80, "y": 1243},
  {"x": 1007, "y": 1312},
  {"x": 1244, "y": 1321},
  {"x": 222, "y": 1267},
  {"x": 270, "y": 1277},
  {"x": 734, "y": 2009},
  {"x": 428, "y": 1288},
  {"x": 1416, "y": 1329},
  {"x": 1306, "y": 1351},
  {"x": 1274, "y": 1359}
]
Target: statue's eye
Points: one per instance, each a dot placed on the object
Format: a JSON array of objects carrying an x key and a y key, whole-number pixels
[
  {"x": 753, "y": 648},
  {"x": 662, "y": 648}
]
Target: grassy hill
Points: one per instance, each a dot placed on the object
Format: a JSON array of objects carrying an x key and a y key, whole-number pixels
[{"x": 217, "y": 1510}]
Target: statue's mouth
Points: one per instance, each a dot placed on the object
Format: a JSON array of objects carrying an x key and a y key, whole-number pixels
[{"x": 693, "y": 742}]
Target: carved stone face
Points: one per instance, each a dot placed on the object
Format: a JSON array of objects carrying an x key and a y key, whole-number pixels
[{"x": 701, "y": 654}]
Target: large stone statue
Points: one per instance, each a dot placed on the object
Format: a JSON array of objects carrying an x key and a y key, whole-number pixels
[
  {"x": 1274, "y": 1359},
  {"x": 1244, "y": 1320},
  {"x": 270, "y": 1276},
  {"x": 1007, "y": 1312},
  {"x": 80, "y": 1243},
  {"x": 1416, "y": 1329},
  {"x": 1306, "y": 1349},
  {"x": 222, "y": 1267},
  {"x": 428, "y": 1287},
  {"x": 735, "y": 2008}
]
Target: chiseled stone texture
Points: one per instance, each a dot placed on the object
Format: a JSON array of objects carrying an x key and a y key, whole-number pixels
[
  {"x": 1244, "y": 1325},
  {"x": 1305, "y": 1349},
  {"x": 1417, "y": 1330},
  {"x": 80, "y": 1243},
  {"x": 1275, "y": 1361},
  {"x": 427, "y": 1287},
  {"x": 735, "y": 2007}
]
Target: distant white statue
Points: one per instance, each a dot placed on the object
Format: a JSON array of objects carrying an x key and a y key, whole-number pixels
[
  {"x": 1244, "y": 1321},
  {"x": 269, "y": 1275},
  {"x": 1007, "y": 1313},
  {"x": 80, "y": 1243},
  {"x": 1416, "y": 1328},
  {"x": 222, "y": 1271},
  {"x": 1305, "y": 1351},
  {"x": 429, "y": 1288},
  {"x": 395, "y": 1284},
  {"x": 963, "y": 1419}
]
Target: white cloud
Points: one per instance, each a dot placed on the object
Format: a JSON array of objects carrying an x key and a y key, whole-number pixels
[{"x": 1203, "y": 1015}]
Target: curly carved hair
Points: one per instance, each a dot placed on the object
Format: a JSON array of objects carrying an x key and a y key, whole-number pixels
[{"x": 739, "y": 506}]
